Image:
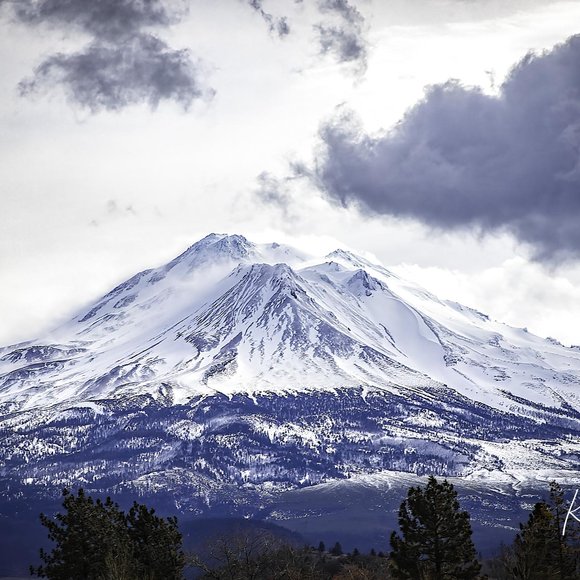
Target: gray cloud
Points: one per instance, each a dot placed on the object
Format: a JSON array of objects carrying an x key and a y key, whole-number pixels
[
  {"x": 124, "y": 64},
  {"x": 280, "y": 192},
  {"x": 342, "y": 7},
  {"x": 141, "y": 68},
  {"x": 346, "y": 45},
  {"x": 461, "y": 159},
  {"x": 105, "y": 19},
  {"x": 274, "y": 191},
  {"x": 345, "y": 40},
  {"x": 277, "y": 25}
]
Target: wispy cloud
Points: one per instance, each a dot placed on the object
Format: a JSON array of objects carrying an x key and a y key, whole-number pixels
[
  {"x": 277, "y": 25},
  {"x": 344, "y": 37},
  {"x": 340, "y": 31}
]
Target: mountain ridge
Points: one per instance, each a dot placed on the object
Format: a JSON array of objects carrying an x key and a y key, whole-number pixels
[
  {"x": 340, "y": 313},
  {"x": 258, "y": 368}
]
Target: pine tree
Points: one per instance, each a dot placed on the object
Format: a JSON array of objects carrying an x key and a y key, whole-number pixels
[
  {"x": 535, "y": 547},
  {"x": 156, "y": 544},
  {"x": 566, "y": 554},
  {"x": 85, "y": 536},
  {"x": 336, "y": 549},
  {"x": 540, "y": 551},
  {"x": 435, "y": 540},
  {"x": 95, "y": 540}
]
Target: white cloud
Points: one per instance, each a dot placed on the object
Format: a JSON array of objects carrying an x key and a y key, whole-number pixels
[{"x": 516, "y": 292}]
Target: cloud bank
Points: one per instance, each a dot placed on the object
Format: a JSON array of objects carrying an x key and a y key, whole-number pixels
[
  {"x": 462, "y": 159},
  {"x": 125, "y": 63}
]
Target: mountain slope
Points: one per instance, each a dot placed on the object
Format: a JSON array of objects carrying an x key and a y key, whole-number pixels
[
  {"x": 224, "y": 316},
  {"x": 238, "y": 370}
]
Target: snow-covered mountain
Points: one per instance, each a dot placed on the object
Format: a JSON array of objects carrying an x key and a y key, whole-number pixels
[{"x": 239, "y": 370}]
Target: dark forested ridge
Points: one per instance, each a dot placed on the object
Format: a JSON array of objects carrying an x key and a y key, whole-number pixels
[
  {"x": 319, "y": 464},
  {"x": 218, "y": 443}
]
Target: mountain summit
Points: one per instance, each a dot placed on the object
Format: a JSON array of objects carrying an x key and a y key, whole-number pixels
[
  {"x": 257, "y": 367},
  {"x": 229, "y": 316}
]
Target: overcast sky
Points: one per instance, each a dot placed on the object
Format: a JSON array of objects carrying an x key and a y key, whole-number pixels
[{"x": 441, "y": 136}]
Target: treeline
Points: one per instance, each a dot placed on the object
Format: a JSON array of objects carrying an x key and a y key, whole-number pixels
[{"x": 96, "y": 540}]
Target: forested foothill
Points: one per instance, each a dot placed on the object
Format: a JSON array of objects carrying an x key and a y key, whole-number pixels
[{"x": 92, "y": 539}]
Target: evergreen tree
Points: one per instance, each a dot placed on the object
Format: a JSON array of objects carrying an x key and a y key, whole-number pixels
[
  {"x": 336, "y": 549},
  {"x": 435, "y": 540},
  {"x": 86, "y": 534},
  {"x": 156, "y": 544},
  {"x": 567, "y": 543},
  {"x": 95, "y": 540},
  {"x": 540, "y": 551},
  {"x": 535, "y": 547}
]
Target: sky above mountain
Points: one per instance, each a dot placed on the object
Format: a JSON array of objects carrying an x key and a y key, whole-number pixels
[{"x": 441, "y": 136}]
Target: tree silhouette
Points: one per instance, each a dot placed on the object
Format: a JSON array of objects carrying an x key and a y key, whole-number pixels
[
  {"x": 435, "y": 540},
  {"x": 86, "y": 534},
  {"x": 156, "y": 544},
  {"x": 540, "y": 550},
  {"x": 336, "y": 549},
  {"x": 95, "y": 540}
]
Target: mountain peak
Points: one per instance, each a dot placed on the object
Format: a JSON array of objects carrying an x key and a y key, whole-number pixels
[
  {"x": 348, "y": 257},
  {"x": 234, "y": 242},
  {"x": 364, "y": 282},
  {"x": 215, "y": 247},
  {"x": 280, "y": 276},
  {"x": 352, "y": 259},
  {"x": 341, "y": 321}
]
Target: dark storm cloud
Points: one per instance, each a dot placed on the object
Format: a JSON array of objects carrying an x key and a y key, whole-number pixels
[
  {"x": 278, "y": 25},
  {"x": 124, "y": 64},
  {"x": 141, "y": 68},
  {"x": 462, "y": 159},
  {"x": 105, "y": 19},
  {"x": 345, "y": 39}
]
